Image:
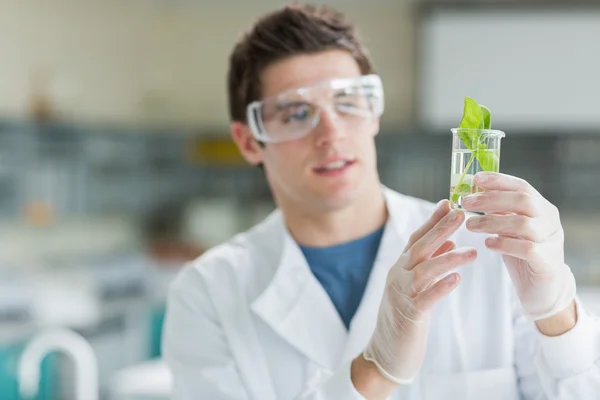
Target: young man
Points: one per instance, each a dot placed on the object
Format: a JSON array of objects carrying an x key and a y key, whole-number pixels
[{"x": 350, "y": 290}]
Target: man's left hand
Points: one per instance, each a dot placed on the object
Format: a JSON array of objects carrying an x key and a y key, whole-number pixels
[{"x": 531, "y": 239}]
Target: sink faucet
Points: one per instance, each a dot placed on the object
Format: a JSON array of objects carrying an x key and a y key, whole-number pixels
[{"x": 75, "y": 347}]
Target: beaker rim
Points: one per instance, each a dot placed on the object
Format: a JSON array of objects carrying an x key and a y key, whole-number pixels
[{"x": 487, "y": 132}]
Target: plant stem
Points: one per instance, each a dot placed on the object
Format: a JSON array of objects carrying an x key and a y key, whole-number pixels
[{"x": 457, "y": 186}]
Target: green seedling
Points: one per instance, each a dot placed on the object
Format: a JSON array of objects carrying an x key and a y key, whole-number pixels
[{"x": 475, "y": 117}]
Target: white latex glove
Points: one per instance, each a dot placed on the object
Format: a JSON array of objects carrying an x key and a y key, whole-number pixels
[
  {"x": 413, "y": 286},
  {"x": 530, "y": 237}
]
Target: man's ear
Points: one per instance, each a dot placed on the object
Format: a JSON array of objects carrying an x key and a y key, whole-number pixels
[{"x": 248, "y": 146}]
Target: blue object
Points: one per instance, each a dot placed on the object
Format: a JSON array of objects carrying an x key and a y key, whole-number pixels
[
  {"x": 344, "y": 270},
  {"x": 157, "y": 320},
  {"x": 9, "y": 385}
]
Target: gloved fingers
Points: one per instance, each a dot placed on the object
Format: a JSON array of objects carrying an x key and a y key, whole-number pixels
[
  {"x": 428, "y": 298},
  {"x": 532, "y": 252},
  {"x": 447, "y": 246},
  {"x": 517, "y": 226},
  {"x": 433, "y": 239},
  {"x": 499, "y": 181},
  {"x": 502, "y": 202},
  {"x": 428, "y": 272},
  {"x": 519, "y": 248},
  {"x": 442, "y": 209}
]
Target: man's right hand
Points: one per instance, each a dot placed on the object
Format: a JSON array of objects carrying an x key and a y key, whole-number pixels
[{"x": 413, "y": 287}]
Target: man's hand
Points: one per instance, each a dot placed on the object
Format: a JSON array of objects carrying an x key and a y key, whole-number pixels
[
  {"x": 414, "y": 285},
  {"x": 531, "y": 240}
]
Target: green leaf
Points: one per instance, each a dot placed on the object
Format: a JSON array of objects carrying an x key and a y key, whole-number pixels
[
  {"x": 487, "y": 117},
  {"x": 476, "y": 116},
  {"x": 487, "y": 159},
  {"x": 460, "y": 190},
  {"x": 472, "y": 115},
  {"x": 472, "y": 119}
]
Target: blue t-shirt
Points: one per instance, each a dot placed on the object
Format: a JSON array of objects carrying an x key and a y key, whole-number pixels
[{"x": 344, "y": 270}]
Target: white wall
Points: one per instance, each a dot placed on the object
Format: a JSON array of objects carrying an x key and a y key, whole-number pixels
[
  {"x": 157, "y": 61},
  {"x": 536, "y": 69}
]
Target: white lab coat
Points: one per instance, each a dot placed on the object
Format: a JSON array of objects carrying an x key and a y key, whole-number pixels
[{"x": 248, "y": 320}]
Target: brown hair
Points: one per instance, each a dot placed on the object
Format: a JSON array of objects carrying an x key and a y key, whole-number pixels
[{"x": 292, "y": 30}]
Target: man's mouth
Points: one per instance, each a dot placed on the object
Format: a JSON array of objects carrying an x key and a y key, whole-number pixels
[{"x": 333, "y": 166}]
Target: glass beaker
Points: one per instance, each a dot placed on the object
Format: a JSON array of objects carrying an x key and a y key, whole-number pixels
[{"x": 473, "y": 150}]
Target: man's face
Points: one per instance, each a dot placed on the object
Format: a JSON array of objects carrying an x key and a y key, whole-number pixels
[{"x": 335, "y": 163}]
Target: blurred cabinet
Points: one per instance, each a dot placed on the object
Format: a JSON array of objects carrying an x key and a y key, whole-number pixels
[{"x": 97, "y": 170}]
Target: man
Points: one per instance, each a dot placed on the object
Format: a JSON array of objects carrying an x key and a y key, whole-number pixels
[{"x": 350, "y": 290}]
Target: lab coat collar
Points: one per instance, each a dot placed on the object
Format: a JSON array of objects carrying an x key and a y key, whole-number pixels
[{"x": 297, "y": 307}]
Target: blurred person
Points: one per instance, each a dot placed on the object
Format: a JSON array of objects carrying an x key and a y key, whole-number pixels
[{"x": 349, "y": 290}]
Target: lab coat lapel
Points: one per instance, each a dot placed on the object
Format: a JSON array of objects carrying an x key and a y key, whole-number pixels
[
  {"x": 392, "y": 243},
  {"x": 296, "y": 306}
]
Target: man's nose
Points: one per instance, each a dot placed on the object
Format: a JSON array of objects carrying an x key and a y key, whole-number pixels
[{"x": 329, "y": 129}]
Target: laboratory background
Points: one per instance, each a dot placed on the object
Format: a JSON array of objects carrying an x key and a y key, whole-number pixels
[{"x": 116, "y": 165}]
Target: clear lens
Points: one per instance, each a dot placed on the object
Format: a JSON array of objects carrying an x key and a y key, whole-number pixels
[{"x": 287, "y": 118}]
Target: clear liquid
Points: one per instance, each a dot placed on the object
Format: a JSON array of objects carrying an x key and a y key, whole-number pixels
[{"x": 462, "y": 171}]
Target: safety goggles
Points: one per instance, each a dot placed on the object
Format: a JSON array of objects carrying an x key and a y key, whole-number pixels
[{"x": 295, "y": 113}]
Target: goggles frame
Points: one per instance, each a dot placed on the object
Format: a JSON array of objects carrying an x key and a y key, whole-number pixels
[{"x": 371, "y": 84}]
